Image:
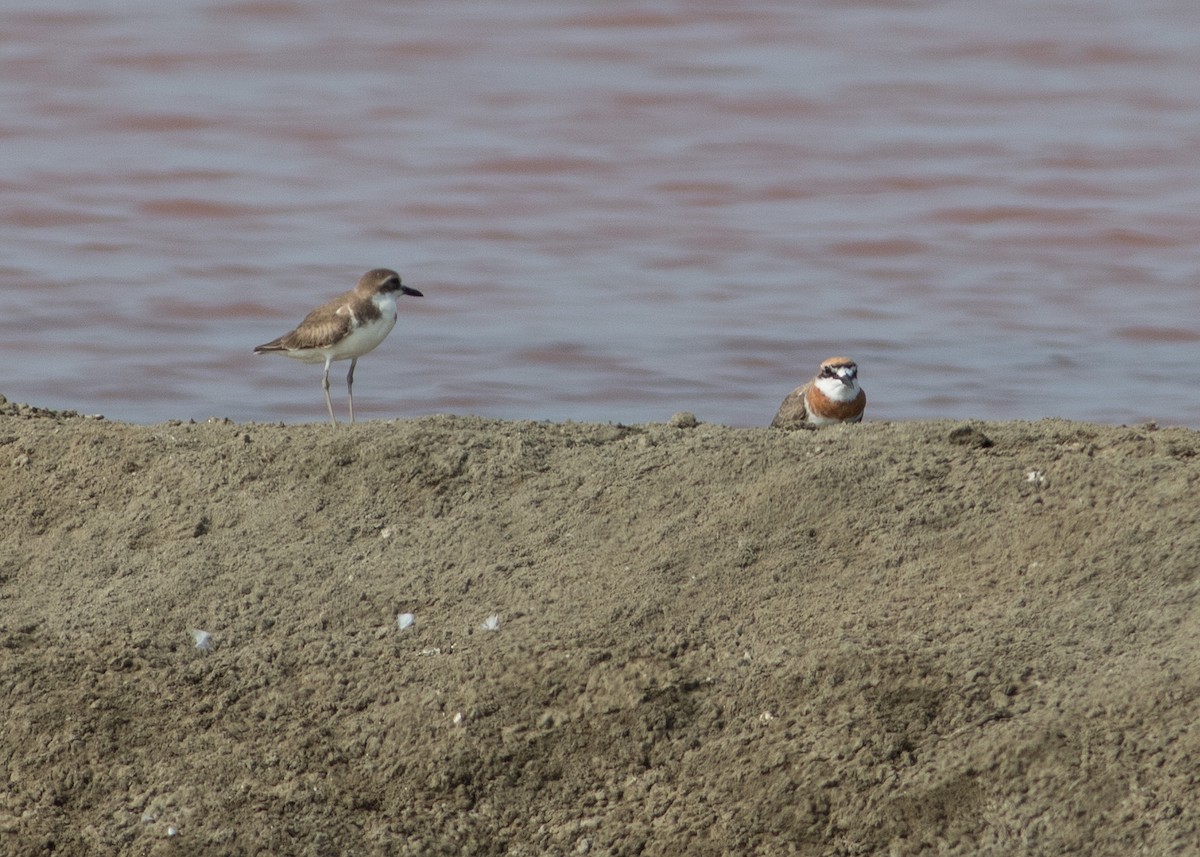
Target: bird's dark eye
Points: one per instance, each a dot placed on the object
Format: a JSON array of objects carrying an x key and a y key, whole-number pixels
[{"x": 828, "y": 372}]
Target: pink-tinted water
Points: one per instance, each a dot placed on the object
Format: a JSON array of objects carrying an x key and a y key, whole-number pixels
[{"x": 615, "y": 210}]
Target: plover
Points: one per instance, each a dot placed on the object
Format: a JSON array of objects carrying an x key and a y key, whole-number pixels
[
  {"x": 346, "y": 328},
  {"x": 832, "y": 397}
]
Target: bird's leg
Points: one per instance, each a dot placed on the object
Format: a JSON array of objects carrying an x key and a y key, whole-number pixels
[
  {"x": 325, "y": 387},
  {"x": 350, "y": 387}
]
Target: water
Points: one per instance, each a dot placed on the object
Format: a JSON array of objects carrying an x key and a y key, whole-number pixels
[{"x": 615, "y": 211}]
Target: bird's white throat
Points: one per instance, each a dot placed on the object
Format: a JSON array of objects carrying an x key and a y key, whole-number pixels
[{"x": 833, "y": 388}]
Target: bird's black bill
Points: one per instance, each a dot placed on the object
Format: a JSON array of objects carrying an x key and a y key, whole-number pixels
[{"x": 411, "y": 292}]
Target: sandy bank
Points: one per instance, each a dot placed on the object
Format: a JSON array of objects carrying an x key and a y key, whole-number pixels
[{"x": 874, "y": 639}]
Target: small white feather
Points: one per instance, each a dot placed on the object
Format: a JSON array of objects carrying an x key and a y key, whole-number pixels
[{"x": 202, "y": 639}]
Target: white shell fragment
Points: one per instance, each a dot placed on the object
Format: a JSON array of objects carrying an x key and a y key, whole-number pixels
[
  {"x": 491, "y": 623},
  {"x": 202, "y": 639},
  {"x": 405, "y": 620}
]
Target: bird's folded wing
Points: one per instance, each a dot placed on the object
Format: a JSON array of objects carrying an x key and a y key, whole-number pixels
[{"x": 793, "y": 411}]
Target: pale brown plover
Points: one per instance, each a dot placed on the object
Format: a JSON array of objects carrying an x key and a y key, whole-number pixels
[{"x": 345, "y": 328}]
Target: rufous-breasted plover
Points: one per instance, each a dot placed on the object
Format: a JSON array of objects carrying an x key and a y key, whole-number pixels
[
  {"x": 346, "y": 328},
  {"x": 832, "y": 397}
]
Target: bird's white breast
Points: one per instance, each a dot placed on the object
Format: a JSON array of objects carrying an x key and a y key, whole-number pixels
[{"x": 364, "y": 336}]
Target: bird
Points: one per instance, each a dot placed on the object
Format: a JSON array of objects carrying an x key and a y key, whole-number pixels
[
  {"x": 345, "y": 328},
  {"x": 832, "y": 397}
]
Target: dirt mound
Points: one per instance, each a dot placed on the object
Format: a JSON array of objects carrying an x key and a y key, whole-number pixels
[{"x": 872, "y": 639}]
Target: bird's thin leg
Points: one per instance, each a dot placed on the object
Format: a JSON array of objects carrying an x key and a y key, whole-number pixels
[
  {"x": 350, "y": 386},
  {"x": 325, "y": 387}
]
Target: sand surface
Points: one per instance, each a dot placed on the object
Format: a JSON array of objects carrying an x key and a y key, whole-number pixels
[{"x": 876, "y": 639}]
